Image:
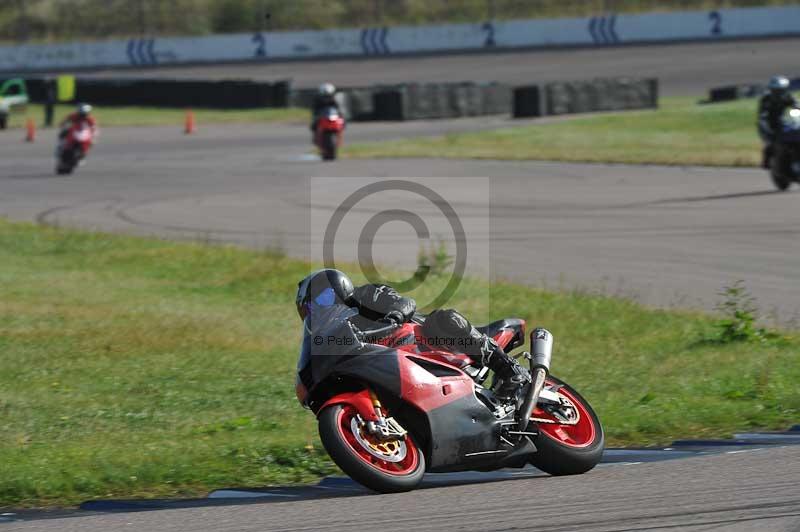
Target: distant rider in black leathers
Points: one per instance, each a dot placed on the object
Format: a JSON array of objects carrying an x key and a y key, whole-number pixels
[
  {"x": 330, "y": 292},
  {"x": 770, "y": 111}
]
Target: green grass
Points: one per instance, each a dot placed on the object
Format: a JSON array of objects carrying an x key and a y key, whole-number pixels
[
  {"x": 158, "y": 116},
  {"x": 681, "y": 132},
  {"x": 135, "y": 367}
]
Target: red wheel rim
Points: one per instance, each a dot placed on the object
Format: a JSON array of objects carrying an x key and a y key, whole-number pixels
[
  {"x": 580, "y": 434},
  {"x": 409, "y": 462}
]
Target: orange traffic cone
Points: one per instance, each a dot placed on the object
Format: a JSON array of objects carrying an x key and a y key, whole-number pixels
[
  {"x": 30, "y": 130},
  {"x": 190, "y": 126}
]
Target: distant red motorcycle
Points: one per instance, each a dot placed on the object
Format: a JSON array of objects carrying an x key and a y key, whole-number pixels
[
  {"x": 389, "y": 417},
  {"x": 75, "y": 142},
  {"x": 328, "y": 138}
]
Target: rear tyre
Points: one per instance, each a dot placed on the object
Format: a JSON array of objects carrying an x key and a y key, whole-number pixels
[
  {"x": 568, "y": 449},
  {"x": 328, "y": 145},
  {"x": 386, "y": 467},
  {"x": 781, "y": 168},
  {"x": 3, "y": 121}
]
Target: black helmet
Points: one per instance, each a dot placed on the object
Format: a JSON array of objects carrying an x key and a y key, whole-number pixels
[{"x": 325, "y": 288}]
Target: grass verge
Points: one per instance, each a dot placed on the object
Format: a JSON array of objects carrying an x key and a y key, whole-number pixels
[
  {"x": 137, "y": 367},
  {"x": 162, "y": 116},
  {"x": 681, "y": 132}
]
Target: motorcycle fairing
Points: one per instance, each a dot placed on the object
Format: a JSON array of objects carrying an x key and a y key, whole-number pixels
[
  {"x": 509, "y": 333},
  {"x": 462, "y": 424},
  {"x": 331, "y": 350},
  {"x": 360, "y": 400},
  {"x": 466, "y": 432}
]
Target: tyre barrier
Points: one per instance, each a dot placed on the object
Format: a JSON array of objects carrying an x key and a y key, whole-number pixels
[
  {"x": 453, "y": 100},
  {"x": 359, "y": 104},
  {"x": 723, "y": 94},
  {"x": 426, "y": 101},
  {"x": 728, "y": 93},
  {"x": 527, "y": 102},
  {"x": 229, "y": 94},
  {"x": 734, "y": 92},
  {"x": 607, "y": 94},
  {"x": 412, "y": 101}
]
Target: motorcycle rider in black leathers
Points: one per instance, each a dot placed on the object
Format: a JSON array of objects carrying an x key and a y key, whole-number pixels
[
  {"x": 329, "y": 292},
  {"x": 324, "y": 98},
  {"x": 770, "y": 111}
]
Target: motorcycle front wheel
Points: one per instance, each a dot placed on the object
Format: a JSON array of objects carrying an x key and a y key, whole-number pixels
[
  {"x": 66, "y": 162},
  {"x": 384, "y": 466},
  {"x": 571, "y": 439},
  {"x": 781, "y": 168},
  {"x": 64, "y": 168},
  {"x": 329, "y": 145}
]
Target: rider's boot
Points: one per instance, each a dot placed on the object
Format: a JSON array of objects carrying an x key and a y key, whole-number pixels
[
  {"x": 514, "y": 377},
  {"x": 483, "y": 349}
]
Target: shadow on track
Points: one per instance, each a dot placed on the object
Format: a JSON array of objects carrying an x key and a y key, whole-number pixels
[{"x": 691, "y": 199}]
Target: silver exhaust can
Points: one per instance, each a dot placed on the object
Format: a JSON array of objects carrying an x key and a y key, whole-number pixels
[{"x": 541, "y": 348}]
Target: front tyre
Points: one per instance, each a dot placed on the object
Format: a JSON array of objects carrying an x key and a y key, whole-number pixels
[
  {"x": 781, "y": 168},
  {"x": 329, "y": 145},
  {"x": 571, "y": 439},
  {"x": 65, "y": 164},
  {"x": 383, "y": 466}
]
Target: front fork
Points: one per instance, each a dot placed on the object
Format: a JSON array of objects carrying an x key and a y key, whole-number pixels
[{"x": 385, "y": 428}]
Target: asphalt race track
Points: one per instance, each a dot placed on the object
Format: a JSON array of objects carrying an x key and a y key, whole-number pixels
[
  {"x": 665, "y": 236},
  {"x": 686, "y": 69},
  {"x": 740, "y": 490}
]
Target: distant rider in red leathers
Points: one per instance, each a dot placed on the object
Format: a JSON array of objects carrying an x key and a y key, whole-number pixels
[
  {"x": 325, "y": 97},
  {"x": 81, "y": 115}
]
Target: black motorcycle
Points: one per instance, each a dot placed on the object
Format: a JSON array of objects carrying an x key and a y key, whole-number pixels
[{"x": 785, "y": 161}]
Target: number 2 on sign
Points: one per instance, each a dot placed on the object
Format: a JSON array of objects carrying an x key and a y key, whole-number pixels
[
  {"x": 261, "y": 42},
  {"x": 716, "y": 22},
  {"x": 488, "y": 27}
]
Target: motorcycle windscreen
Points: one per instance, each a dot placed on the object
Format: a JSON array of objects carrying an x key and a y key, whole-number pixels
[{"x": 330, "y": 347}]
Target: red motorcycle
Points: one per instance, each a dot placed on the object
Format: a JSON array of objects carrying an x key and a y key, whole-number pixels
[
  {"x": 328, "y": 138},
  {"x": 407, "y": 406},
  {"x": 75, "y": 141}
]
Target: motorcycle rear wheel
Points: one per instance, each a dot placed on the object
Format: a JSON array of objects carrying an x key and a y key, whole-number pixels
[
  {"x": 568, "y": 449},
  {"x": 360, "y": 455}
]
